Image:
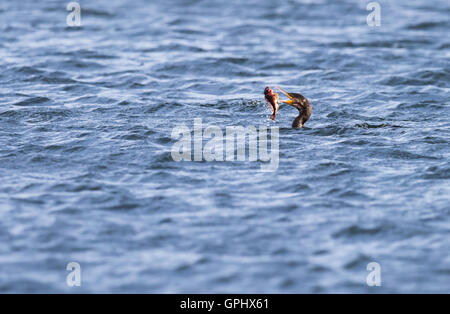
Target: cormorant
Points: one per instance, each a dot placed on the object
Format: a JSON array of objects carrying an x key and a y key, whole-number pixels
[{"x": 302, "y": 104}]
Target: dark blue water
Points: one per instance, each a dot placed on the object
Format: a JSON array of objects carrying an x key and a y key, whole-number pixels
[{"x": 86, "y": 116}]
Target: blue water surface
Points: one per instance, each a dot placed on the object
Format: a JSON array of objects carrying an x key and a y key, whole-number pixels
[{"x": 87, "y": 176}]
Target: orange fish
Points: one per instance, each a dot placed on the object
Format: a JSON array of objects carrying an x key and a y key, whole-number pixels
[{"x": 272, "y": 99}]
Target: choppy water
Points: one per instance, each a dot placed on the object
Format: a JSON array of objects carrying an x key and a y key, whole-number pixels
[{"x": 86, "y": 116}]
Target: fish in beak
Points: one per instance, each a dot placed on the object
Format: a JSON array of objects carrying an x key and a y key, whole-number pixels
[
  {"x": 291, "y": 99},
  {"x": 272, "y": 99}
]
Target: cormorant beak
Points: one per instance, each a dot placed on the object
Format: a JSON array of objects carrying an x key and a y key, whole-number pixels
[{"x": 291, "y": 99}]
